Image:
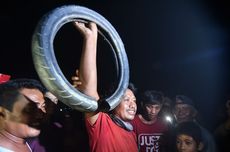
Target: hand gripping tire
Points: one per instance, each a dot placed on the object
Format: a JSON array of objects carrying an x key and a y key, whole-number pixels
[{"x": 47, "y": 67}]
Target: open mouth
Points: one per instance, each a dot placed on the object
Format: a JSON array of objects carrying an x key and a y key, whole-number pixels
[{"x": 131, "y": 112}]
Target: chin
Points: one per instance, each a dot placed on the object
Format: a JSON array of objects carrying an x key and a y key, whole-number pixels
[
  {"x": 152, "y": 117},
  {"x": 130, "y": 118},
  {"x": 33, "y": 132}
]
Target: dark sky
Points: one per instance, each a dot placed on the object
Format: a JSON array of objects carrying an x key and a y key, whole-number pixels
[{"x": 178, "y": 47}]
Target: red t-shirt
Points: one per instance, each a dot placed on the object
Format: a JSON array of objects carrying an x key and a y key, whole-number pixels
[
  {"x": 106, "y": 136},
  {"x": 150, "y": 136}
]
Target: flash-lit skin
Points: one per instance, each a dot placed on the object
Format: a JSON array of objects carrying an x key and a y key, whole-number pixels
[
  {"x": 185, "y": 143},
  {"x": 36, "y": 96},
  {"x": 127, "y": 108}
]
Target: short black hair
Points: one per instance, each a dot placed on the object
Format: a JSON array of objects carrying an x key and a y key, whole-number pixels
[
  {"x": 190, "y": 128},
  {"x": 132, "y": 87},
  {"x": 27, "y": 83},
  {"x": 152, "y": 97}
]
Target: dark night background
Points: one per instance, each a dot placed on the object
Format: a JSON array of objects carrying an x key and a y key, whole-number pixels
[{"x": 178, "y": 47}]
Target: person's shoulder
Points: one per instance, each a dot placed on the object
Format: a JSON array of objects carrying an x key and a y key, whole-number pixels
[
  {"x": 204, "y": 130},
  {"x": 138, "y": 119},
  {"x": 102, "y": 116}
]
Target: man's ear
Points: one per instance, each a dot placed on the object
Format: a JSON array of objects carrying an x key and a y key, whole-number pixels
[
  {"x": 200, "y": 146},
  {"x": 3, "y": 117},
  {"x": 2, "y": 113}
]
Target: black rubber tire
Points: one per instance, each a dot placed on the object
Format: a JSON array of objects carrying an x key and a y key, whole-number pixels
[{"x": 47, "y": 67}]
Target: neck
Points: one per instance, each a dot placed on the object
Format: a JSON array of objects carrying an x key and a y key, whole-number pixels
[
  {"x": 149, "y": 122},
  {"x": 123, "y": 124},
  {"x": 10, "y": 137}
]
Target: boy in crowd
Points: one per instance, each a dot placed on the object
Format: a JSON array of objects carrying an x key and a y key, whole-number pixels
[{"x": 150, "y": 129}]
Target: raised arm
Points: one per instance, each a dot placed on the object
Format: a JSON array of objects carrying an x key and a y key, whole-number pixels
[{"x": 88, "y": 67}]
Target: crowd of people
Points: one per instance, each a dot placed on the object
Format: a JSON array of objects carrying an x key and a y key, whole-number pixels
[{"x": 32, "y": 118}]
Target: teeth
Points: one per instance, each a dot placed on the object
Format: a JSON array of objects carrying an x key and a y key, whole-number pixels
[{"x": 131, "y": 112}]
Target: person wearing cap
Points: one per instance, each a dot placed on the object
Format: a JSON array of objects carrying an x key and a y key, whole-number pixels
[
  {"x": 151, "y": 131},
  {"x": 188, "y": 137},
  {"x": 185, "y": 111}
]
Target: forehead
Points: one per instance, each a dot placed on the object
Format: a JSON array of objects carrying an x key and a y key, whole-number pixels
[
  {"x": 185, "y": 137},
  {"x": 25, "y": 91},
  {"x": 33, "y": 94},
  {"x": 152, "y": 105},
  {"x": 183, "y": 105},
  {"x": 129, "y": 93}
]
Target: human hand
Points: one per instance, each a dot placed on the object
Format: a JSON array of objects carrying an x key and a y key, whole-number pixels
[
  {"x": 86, "y": 29},
  {"x": 76, "y": 80}
]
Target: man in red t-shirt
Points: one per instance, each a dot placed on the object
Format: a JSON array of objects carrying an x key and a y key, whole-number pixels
[
  {"x": 107, "y": 133},
  {"x": 149, "y": 128}
]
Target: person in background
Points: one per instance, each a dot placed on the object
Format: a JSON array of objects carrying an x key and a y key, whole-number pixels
[
  {"x": 188, "y": 137},
  {"x": 222, "y": 132},
  {"x": 185, "y": 111},
  {"x": 107, "y": 133},
  {"x": 150, "y": 129}
]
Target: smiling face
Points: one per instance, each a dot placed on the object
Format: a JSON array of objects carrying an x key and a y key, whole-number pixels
[
  {"x": 126, "y": 110},
  {"x": 27, "y": 114},
  {"x": 184, "y": 112}
]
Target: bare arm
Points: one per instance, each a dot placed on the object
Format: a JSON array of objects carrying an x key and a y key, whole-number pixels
[{"x": 88, "y": 67}]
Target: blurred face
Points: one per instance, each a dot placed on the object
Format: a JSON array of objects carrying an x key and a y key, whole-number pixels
[
  {"x": 126, "y": 110},
  {"x": 184, "y": 112},
  {"x": 27, "y": 114},
  {"x": 152, "y": 111},
  {"x": 35, "y": 96},
  {"x": 185, "y": 143}
]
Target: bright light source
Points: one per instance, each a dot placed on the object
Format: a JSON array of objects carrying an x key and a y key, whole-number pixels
[{"x": 168, "y": 118}]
